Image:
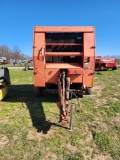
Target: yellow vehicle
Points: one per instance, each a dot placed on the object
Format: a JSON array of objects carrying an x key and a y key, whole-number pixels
[
  {"x": 4, "y": 81},
  {"x": 3, "y": 90}
]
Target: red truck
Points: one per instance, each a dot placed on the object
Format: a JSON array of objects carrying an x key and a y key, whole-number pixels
[{"x": 102, "y": 63}]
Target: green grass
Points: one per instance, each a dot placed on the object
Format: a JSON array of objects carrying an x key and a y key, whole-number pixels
[
  {"x": 107, "y": 142},
  {"x": 29, "y": 127}
]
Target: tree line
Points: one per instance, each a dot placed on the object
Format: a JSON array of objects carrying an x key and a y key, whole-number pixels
[
  {"x": 113, "y": 56},
  {"x": 14, "y": 53}
]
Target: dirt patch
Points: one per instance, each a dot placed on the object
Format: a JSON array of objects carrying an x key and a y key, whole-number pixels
[
  {"x": 116, "y": 119},
  {"x": 39, "y": 136},
  {"x": 98, "y": 88},
  {"x": 88, "y": 137},
  {"x": 6, "y": 119},
  {"x": 50, "y": 156},
  {"x": 87, "y": 152},
  {"x": 15, "y": 137},
  {"x": 102, "y": 157},
  {"x": 98, "y": 125},
  {"x": 100, "y": 101},
  {"x": 3, "y": 140},
  {"x": 71, "y": 148},
  {"x": 33, "y": 136},
  {"x": 115, "y": 99},
  {"x": 118, "y": 85},
  {"x": 91, "y": 153}
]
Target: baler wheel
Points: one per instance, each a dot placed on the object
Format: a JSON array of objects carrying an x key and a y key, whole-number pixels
[{"x": 88, "y": 91}]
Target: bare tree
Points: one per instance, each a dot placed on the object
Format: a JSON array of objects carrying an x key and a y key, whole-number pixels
[
  {"x": 5, "y": 51},
  {"x": 15, "y": 53}
]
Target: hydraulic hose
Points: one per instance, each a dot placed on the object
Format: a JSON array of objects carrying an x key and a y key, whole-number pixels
[{"x": 77, "y": 101}]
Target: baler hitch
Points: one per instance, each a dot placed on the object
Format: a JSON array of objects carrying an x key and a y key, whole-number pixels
[
  {"x": 63, "y": 104},
  {"x": 64, "y": 97}
]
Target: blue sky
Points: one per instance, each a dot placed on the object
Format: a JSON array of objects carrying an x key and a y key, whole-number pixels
[{"x": 18, "y": 17}]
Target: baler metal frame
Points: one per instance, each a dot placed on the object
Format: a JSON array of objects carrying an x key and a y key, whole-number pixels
[{"x": 64, "y": 58}]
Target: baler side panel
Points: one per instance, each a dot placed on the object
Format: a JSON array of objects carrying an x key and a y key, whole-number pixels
[
  {"x": 39, "y": 60},
  {"x": 89, "y": 59}
]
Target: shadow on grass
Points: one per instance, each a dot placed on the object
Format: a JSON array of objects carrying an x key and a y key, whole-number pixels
[{"x": 25, "y": 95}]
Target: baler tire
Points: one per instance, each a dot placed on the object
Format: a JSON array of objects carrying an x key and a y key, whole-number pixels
[
  {"x": 37, "y": 91},
  {"x": 88, "y": 91}
]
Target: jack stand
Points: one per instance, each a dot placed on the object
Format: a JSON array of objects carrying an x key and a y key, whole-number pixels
[{"x": 71, "y": 116}]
